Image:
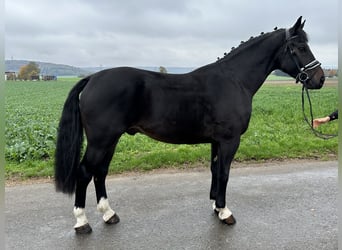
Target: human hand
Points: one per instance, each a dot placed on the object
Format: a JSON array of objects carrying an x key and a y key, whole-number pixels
[{"x": 319, "y": 121}]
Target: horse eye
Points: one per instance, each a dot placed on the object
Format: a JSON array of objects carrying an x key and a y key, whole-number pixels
[{"x": 301, "y": 49}]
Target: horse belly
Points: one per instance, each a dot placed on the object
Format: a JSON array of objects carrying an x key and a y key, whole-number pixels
[
  {"x": 173, "y": 132},
  {"x": 180, "y": 137}
]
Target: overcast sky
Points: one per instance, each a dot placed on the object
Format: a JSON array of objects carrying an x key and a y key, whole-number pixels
[{"x": 188, "y": 33}]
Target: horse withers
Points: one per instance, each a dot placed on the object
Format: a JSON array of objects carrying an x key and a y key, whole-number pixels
[{"x": 211, "y": 104}]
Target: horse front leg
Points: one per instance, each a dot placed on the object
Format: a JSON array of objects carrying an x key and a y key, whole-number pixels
[
  {"x": 109, "y": 215},
  {"x": 213, "y": 167},
  {"x": 226, "y": 152}
]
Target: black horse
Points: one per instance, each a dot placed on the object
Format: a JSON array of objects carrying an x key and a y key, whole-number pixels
[{"x": 211, "y": 104}]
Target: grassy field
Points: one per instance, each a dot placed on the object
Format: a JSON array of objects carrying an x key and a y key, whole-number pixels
[{"x": 276, "y": 131}]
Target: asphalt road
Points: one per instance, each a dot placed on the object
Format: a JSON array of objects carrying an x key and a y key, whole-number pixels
[{"x": 277, "y": 206}]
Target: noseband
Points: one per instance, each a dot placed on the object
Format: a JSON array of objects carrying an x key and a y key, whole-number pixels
[{"x": 302, "y": 75}]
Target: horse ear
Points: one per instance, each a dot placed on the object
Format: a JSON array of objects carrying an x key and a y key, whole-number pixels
[
  {"x": 297, "y": 26},
  {"x": 302, "y": 25}
]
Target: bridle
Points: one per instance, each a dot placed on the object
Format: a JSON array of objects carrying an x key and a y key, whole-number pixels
[{"x": 303, "y": 77}]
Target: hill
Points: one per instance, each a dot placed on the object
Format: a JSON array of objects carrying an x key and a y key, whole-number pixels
[
  {"x": 66, "y": 70},
  {"x": 47, "y": 68},
  {"x": 172, "y": 70}
]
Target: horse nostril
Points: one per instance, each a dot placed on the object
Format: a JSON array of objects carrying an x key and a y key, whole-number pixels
[{"x": 322, "y": 79}]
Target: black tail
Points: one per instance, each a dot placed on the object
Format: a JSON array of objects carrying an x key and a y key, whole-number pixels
[{"x": 69, "y": 141}]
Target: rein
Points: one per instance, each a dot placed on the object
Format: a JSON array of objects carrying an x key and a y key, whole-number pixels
[
  {"x": 310, "y": 122},
  {"x": 303, "y": 77}
]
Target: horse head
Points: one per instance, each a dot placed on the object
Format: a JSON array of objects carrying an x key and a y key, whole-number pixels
[{"x": 297, "y": 59}]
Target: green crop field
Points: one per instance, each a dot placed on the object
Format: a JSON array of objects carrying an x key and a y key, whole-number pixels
[{"x": 277, "y": 130}]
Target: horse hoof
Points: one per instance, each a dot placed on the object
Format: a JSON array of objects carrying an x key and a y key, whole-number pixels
[
  {"x": 85, "y": 229},
  {"x": 229, "y": 221},
  {"x": 113, "y": 220}
]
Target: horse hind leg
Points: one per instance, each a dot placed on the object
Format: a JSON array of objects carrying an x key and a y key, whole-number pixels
[
  {"x": 84, "y": 176},
  {"x": 224, "y": 214},
  {"x": 94, "y": 163},
  {"x": 82, "y": 226},
  {"x": 109, "y": 215}
]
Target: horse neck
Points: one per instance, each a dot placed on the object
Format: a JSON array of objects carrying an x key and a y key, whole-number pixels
[{"x": 254, "y": 61}]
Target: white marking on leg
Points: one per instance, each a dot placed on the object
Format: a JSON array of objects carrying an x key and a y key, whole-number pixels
[
  {"x": 103, "y": 207},
  {"x": 80, "y": 216},
  {"x": 214, "y": 206},
  {"x": 223, "y": 213}
]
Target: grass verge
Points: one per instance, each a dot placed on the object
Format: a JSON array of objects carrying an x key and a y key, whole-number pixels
[{"x": 276, "y": 131}]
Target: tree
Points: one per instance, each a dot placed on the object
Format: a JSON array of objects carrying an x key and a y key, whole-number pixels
[
  {"x": 29, "y": 71},
  {"x": 162, "y": 70},
  {"x": 331, "y": 73}
]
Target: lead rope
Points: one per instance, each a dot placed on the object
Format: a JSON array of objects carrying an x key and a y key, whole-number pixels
[{"x": 310, "y": 123}]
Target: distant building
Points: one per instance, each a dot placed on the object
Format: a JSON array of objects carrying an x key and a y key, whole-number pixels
[
  {"x": 35, "y": 78},
  {"x": 10, "y": 76},
  {"x": 330, "y": 72},
  {"x": 49, "y": 78}
]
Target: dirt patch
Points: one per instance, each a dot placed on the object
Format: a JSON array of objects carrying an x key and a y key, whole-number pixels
[
  {"x": 185, "y": 168},
  {"x": 14, "y": 181}
]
